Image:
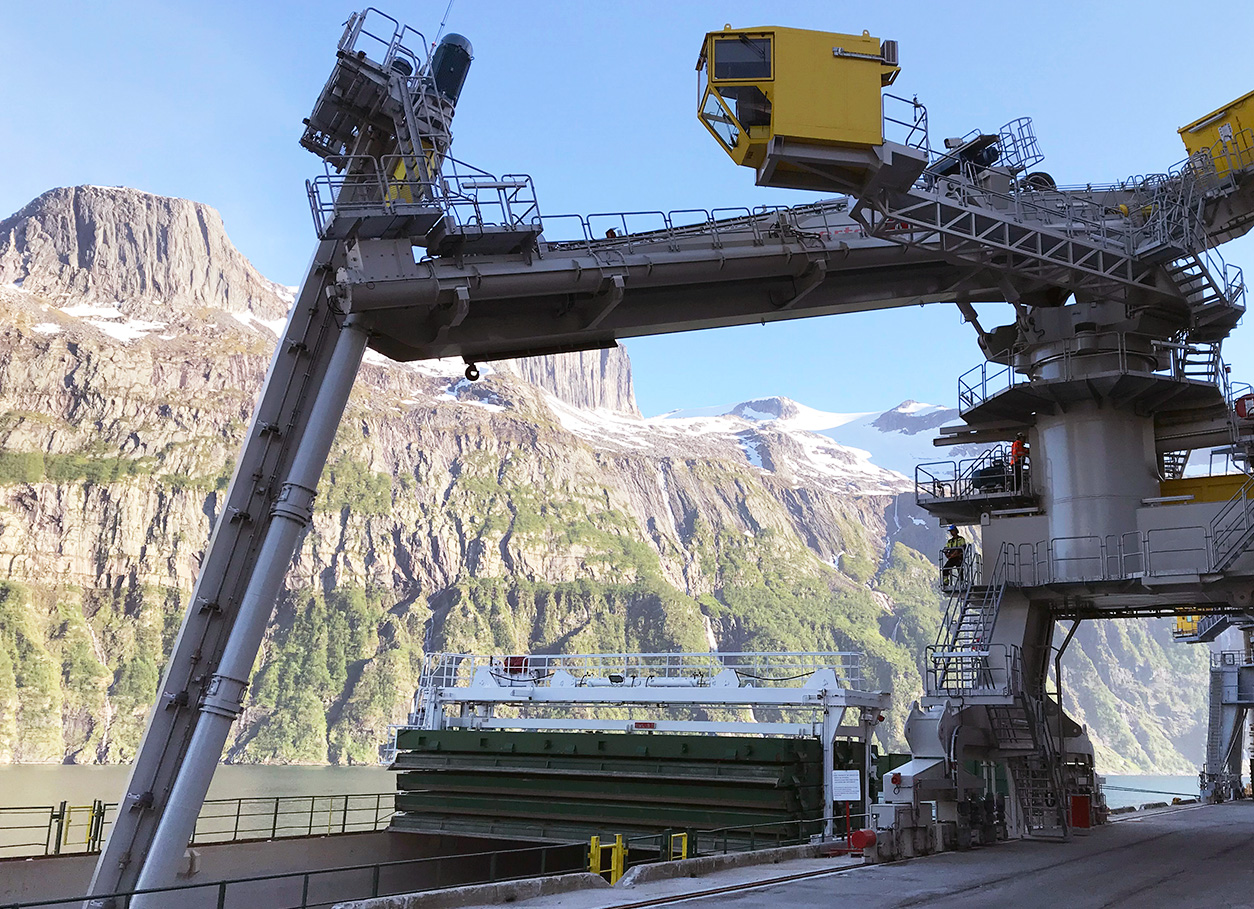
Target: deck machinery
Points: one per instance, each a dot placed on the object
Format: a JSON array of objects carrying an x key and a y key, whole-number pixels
[{"x": 1111, "y": 367}]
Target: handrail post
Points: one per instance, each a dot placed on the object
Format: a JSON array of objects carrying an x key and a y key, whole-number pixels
[{"x": 58, "y": 817}]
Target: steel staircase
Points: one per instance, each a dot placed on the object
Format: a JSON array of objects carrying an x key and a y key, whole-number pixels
[
  {"x": 1216, "y": 304},
  {"x": 961, "y": 667},
  {"x": 1215, "y": 725},
  {"x": 1023, "y": 735},
  {"x": 972, "y": 609},
  {"x": 1173, "y": 464}
]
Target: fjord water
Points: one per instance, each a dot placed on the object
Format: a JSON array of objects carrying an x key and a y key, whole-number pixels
[
  {"x": 50, "y": 784},
  {"x": 1148, "y": 789}
]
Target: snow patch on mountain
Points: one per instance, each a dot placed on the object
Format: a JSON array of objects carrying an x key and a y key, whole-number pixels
[
  {"x": 898, "y": 439},
  {"x": 769, "y": 438}
]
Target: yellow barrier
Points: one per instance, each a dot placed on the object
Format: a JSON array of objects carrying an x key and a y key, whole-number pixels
[
  {"x": 618, "y": 857},
  {"x": 682, "y": 839}
]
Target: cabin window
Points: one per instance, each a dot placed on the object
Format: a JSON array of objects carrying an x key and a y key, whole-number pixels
[{"x": 742, "y": 58}]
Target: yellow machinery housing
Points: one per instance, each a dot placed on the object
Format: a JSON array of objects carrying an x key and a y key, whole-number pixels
[
  {"x": 764, "y": 89},
  {"x": 1226, "y": 134}
]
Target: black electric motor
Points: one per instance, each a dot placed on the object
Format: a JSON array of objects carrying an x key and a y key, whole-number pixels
[{"x": 450, "y": 64}]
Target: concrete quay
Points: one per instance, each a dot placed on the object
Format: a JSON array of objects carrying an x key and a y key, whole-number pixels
[{"x": 1177, "y": 857}]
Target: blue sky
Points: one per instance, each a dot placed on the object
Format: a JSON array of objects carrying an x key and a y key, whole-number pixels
[{"x": 596, "y": 101}]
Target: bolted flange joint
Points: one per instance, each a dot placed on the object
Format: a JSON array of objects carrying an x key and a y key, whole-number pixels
[
  {"x": 295, "y": 503},
  {"x": 225, "y": 696}
]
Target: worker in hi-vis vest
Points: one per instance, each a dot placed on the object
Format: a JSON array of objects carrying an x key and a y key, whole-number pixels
[
  {"x": 953, "y": 551},
  {"x": 1019, "y": 459}
]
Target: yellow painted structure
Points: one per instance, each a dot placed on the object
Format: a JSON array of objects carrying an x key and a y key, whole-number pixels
[
  {"x": 1204, "y": 489},
  {"x": 617, "y": 866},
  {"x": 1226, "y": 134},
  {"x": 820, "y": 88}
]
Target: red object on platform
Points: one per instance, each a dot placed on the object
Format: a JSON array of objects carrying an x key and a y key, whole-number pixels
[
  {"x": 1245, "y": 407},
  {"x": 1081, "y": 807},
  {"x": 860, "y": 839}
]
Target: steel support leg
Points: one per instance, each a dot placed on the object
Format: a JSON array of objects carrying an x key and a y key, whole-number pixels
[{"x": 222, "y": 704}]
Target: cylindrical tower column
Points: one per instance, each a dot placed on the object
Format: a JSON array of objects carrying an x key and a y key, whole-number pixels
[
  {"x": 1096, "y": 465},
  {"x": 1093, "y": 460}
]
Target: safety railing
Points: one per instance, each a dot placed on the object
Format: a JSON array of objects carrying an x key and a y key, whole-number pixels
[
  {"x": 1077, "y": 558},
  {"x": 1232, "y": 527},
  {"x": 324, "y": 887},
  {"x": 356, "y": 186},
  {"x": 363, "y": 34},
  {"x": 905, "y": 122},
  {"x": 1196, "y": 362},
  {"x": 476, "y": 199},
  {"x": 607, "y": 234},
  {"x": 1177, "y": 551},
  {"x": 991, "y": 473},
  {"x": 1157, "y": 553},
  {"x": 64, "y": 828},
  {"x": 990, "y": 670},
  {"x": 1199, "y": 627},
  {"x": 762, "y": 669},
  {"x": 1229, "y": 658}
]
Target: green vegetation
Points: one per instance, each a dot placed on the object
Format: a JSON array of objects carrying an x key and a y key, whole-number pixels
[
  {"x": 35, "y": 467},
  {"x": 349, "y": 483}
]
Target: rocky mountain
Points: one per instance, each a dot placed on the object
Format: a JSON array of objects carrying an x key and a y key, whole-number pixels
[
  {"x": 899, "y": 439},
  {"x": 532, "y": 510}
]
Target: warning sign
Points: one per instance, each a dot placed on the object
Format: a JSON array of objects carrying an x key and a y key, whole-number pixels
[{"x": 846, "y": 786}]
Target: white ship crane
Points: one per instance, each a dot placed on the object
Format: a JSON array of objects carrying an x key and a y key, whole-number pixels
[{"x": 1111, "y": 368}]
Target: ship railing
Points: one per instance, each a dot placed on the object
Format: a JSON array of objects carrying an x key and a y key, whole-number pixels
[
  {"x": 64, "y": 828},
  {"x": 786, "y": 669},
  {"x": 322, "y": 887}
]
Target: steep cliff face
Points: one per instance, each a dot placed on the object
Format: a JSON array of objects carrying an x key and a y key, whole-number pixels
[
  {"x": 533, "y": 509},
  {"x": 590, "y": 379}
]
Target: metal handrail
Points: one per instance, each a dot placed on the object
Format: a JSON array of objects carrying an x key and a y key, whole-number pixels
[
  {"x": 990, "y": 670},
  {"x": 984, "y": 380},
  {"x": 787, "y": 668},
  {"x": 220, "y": 821},
  {"x": 916, "y": 132},
  {"x": 1232, "y": 526},
  {"x": 304, "y": 886}
]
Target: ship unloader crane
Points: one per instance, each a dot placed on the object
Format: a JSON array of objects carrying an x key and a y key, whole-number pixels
[{"x": 1116, "y": 304}]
